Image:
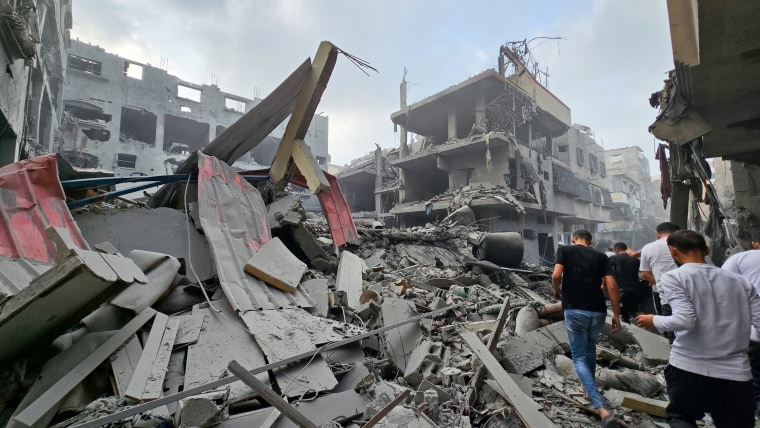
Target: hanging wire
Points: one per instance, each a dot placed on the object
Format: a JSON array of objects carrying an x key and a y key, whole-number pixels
[
  {"x": 361, "y": 64},
  {"x": 189, "y": 246}
]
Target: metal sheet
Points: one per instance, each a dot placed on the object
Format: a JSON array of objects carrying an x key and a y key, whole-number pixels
[
  {"x": 234, "y": 219},
  {"x": 31, "y": 200}
]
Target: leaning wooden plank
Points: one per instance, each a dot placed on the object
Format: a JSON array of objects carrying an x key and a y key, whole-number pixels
[
  {"x": 155, "y": 382},
  {"x": 493, "y": 340},
  {"x": 349, "y": 278},
  {"x": 646, "y": 405},
  {"x": 270, "y": 396},
  {"x": 124, "y": 363},
  {"x": 526, "y": 408},
  {"x": 387, "y": 409},
  {"x": 150, "y": 351},
  {"x": 309, "y": 168},
  {"x": 306, "y": 105},
  {"x": 32, "y": 414}
]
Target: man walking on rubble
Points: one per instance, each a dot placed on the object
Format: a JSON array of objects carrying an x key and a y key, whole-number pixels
[
  {"x": 583, "y": 272},
  {"x": 633, "y": 294},
  {"x": 656, "y": 260},
  {"x": 747, "y": 264},
  {"x": 713, "y": 310}
]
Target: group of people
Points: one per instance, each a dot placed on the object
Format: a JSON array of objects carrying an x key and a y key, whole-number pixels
[{"x": 710, "y": 314}]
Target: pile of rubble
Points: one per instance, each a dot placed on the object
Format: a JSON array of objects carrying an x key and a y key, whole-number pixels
[{"x": 236, "y": 313}]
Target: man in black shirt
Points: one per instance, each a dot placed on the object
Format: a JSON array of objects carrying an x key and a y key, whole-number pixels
[
  {"x": 583, "y": 272},
  {"x": 633, "y": 291}
]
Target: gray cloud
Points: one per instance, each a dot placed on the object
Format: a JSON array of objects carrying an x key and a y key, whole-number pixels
[{"x": 614, "y": 57}]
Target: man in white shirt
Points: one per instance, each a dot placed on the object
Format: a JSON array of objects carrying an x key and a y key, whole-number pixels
[
  {"x": 747, "y": 264},
  {"x": 713, "y": 312},
  {"x": 656, "y": 260}
]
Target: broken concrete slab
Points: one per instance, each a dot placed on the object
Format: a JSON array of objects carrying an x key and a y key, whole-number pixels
[
  {"x": 526, "y": 353},
  {"x": 160, "y": 269},
  {"x": 189, "y": 328},
  {"x": 527, "y": 409},
  {"x": 277, "y": 266},
  {"x": 400, "y": 342},
  {"x": 349, "y": 278},
  {"x": 635, "y": 401},
  {"x": 318, "y": 290},
  {"x": 430, "y": 255},
  {"x": 286, "y": 211},
  {"x": 313, "y": 250},
  {"x": 656, "y": 348},
  {"x": 60, "y": 298},
  {"x": 160, "y": 230},
  {"x": 359, "y": 375},
  {"x": 222, "y": 334},
  {"x": 37, "y": 410},
  {"x": 203, "y": 410}
]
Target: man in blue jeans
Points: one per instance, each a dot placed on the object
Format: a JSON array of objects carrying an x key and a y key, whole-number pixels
[{"x": 583, "y": 272}]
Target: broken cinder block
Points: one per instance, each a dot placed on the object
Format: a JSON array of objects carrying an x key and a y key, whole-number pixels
[{"x": 277, "y": 266}]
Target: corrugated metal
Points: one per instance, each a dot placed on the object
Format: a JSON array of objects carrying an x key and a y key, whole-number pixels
[
  {"x": 16, "y": 274},
  {"x": 31, "y": 200},
  {"x": 234, "y": 219}
]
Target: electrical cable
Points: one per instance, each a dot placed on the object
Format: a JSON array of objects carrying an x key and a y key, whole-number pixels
[{"x": 189, "y": 255}]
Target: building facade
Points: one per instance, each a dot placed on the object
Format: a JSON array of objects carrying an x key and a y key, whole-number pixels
[
  {"x": 136, "y": 119},
  {"x": 33, "y": 44},
  {"x": 488, "y": 143}
]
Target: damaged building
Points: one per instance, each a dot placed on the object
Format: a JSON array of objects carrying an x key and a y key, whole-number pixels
[
  {"x": 499, "y": 145},
  {"x": 33, "y": 43},
  {"x": 136, "y": 119}
]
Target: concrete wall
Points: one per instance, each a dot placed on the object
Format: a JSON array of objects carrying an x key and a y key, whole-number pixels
[
  {"x": 155, "y": 116},
  {"x": 32, "y": 88}
]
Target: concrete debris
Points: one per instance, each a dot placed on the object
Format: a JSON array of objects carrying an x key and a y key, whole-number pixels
[{"x": 441, "y": 325}]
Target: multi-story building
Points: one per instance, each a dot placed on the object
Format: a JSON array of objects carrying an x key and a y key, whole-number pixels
[
  {"x": 628, "y": 178},
  {"x": 33, "y": 43},
  {"x": 486, "y": 143},
  {"x": 133, "y": 118}
]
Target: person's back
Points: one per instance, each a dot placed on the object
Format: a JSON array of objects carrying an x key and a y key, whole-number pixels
[
  {"x": 716, "y": 343},
  {"x": 582, "y": 279},
  {"x": 656, "y": 258},
  {"x": 626, "y": 271}
]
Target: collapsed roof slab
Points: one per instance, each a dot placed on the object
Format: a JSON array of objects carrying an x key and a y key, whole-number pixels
[{"x": 429, "y": 117}]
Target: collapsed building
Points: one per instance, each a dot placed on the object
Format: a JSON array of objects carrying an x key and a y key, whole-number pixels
[
  {"x": 501, "y": 146},
  {"x": 220, "y": 303},
  {"x": 134, "y": 118}
]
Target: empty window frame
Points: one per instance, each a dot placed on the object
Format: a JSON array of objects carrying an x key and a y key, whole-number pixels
[
  {"x": 602, "y": 169},
  {"x": 232, "y": 104},
  {"x": 133, "y": 70},
  {"x": 187, "y": 132},
  {"x": 125, "y": 160},
  {"x": 579, "y": 156},
  {"x": 562, "y": 148},
  {"x": 188, "y": 93},
  {"x": 89, "y": 66},
  {"x": 137, "y": 126}
]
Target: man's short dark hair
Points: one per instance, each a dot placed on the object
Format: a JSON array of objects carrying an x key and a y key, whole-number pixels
[
  {"x": 620, "y": 246},
  {"x": 583, "y": 235},
  {"x": 755, "y": 235},
  {"x": 667, "y": 227},
  {"x": 687, "y": 241}
]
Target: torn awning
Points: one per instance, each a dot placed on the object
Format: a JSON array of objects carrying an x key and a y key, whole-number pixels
[{"x": 31, "y": 201}]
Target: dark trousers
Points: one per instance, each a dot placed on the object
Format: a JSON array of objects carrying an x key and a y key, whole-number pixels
[
  {"x": 632, "y": 301},
  {"x": 729, "y": 402},
  {"x": 754, "y": 362}
]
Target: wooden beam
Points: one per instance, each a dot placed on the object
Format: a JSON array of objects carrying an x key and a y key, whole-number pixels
[
  {"x": 646, "y": 405},
  {"x": 480, "y": 373},
  {"x": 387, "y": 409},
  {"x": 526, "y": 408},
  {"x": 309, "y": 167},
  {"x": 270, "y": 396},
  {"x": 303, "y": 112},
  {"x": 136, "y": 386},
  {"x": 29, "y": 416}
]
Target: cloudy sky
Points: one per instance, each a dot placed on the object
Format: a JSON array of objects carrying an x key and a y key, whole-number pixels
[{"x": 615, "y": 52}]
